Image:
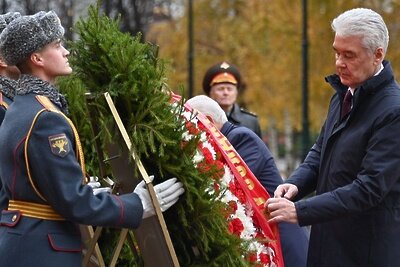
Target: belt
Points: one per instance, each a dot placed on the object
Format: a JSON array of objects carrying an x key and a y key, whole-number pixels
[{"x": 34, "y": 210}]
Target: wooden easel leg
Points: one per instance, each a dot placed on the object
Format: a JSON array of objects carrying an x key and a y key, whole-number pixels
[
  {"x": 89, "y": 235},
  {"x": 118, "y": 248}
]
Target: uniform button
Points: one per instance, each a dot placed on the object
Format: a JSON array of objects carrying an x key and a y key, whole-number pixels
[{"x": 14, "y": 218}]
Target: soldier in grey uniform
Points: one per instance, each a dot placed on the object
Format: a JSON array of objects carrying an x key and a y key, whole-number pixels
[
  {"x": 222, "y": 82},
  {"x": 8, "y": 83},
  {"x": 8, "y": 74},
  {"x": 41, "y": 159}
]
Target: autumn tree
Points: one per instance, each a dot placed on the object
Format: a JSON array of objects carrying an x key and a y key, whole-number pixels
[{"x": 263, "y": 38}]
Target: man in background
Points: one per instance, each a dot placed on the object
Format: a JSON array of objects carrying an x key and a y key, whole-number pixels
[
  {"x": 8, "y": 74},
  {"x": 8, "y": 84},
  {"x": 222, "y": 83}
]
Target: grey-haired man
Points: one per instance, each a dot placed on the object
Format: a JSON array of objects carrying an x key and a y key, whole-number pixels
[{"x": 354, "y": 166}]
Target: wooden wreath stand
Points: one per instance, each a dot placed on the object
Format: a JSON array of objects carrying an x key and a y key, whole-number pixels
[{"x": 153, "y": 241}]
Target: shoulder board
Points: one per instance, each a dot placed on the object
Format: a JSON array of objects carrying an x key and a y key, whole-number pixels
[
  {"x": 2, "y": 102},
  {"x": 248, "y": 112},
  {"x": 46, "y": 103}
]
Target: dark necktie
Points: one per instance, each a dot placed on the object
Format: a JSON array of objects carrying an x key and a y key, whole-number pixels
[{"x": 346, "y": 105}]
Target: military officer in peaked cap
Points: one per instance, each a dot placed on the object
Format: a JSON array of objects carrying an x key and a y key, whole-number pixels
[{"x": 222, "y": 82}]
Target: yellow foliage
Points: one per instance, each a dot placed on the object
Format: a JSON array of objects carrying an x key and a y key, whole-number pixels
[{"x": 264, "y": 39}]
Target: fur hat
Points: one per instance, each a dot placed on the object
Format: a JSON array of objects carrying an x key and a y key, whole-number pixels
[
  {"x": 222, "y": 72},
  {"x": 5, "y": 19},
  {"x": 28, "y": 34}
]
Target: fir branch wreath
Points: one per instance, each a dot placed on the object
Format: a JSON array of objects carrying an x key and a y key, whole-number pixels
[{"x": 106, "y": 60}]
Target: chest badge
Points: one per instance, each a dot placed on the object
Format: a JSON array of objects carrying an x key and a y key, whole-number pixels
[{"x": 59, "y": 145}]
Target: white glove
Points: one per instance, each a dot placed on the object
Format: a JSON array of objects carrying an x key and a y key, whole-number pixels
[
  {"x": 94, "y": 182},
  {"x": 167, "y": 192},
  {"x": 101, "y": 190},
  {"x": 95, "y": 185}
]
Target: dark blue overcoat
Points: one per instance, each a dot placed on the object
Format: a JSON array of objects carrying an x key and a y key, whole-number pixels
[{"x": 354, "y": 166}]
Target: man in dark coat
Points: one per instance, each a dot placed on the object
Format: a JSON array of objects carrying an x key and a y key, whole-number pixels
[
  {"x": 8, "y": 74},
  {"x": 256, "y": 155},
  {"x": 8, "y": 83},
  {"x": 354, "y": 166},
  {"x": 222, "y": 82},
  {"x": 41, "y": 159}
]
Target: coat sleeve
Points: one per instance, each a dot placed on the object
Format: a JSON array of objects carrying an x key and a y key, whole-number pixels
[
  {"x": 58, "y": 176},
  {"x": 306, "y": 175},
  {"x": 376, "y": 183}
]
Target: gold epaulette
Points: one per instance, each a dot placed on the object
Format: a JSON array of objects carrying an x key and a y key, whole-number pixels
[
  {"x": 46, "y": 103},
  {"x": 2, "y": 102},
  {"x": 34, "y": 210}
]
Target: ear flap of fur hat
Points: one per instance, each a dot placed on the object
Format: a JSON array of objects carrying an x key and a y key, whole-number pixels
[
  {"x": 5, "y": 19},
  {"x": 28, "y": 34}
]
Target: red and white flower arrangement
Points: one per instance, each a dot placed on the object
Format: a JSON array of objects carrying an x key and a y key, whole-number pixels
[{"x": 239, "y": 212}]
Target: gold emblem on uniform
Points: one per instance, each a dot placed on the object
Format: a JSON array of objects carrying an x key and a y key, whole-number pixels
[{"x": 59, "y": 145}]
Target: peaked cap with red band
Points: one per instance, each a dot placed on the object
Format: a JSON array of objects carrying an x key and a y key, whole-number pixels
[{"x": 221, "y": 72}]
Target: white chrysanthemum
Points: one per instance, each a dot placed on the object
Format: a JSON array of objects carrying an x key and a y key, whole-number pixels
[
  {"x": 228, "y": 176},
  {"x": 228, "y": 196},
  {"x": 186, "y": 136},
  {"x": 198, "y": 157},
  {"x": 203, "y": 137},
  {"x": 189, "y": 116},
  {"x": 249, "y": 231}
]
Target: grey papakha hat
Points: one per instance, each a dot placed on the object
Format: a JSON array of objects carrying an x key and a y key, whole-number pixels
[
  {"x": 5, "y": 19},
  {"x": 28, "y": 34}
]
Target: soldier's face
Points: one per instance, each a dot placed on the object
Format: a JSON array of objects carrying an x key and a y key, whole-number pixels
[
  {"x": 54, "y": 61},
  {"x": 225, "y": 94}
]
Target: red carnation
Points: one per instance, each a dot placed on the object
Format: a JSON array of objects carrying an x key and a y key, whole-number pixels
[
  {"x": 203, "y": 167},
  {"x": 192, "y": 129},
  {"x": 207, "y": 155},
  {"x": 264, "y": 258},
  {"x": 236, "y": 226},
  {"x": 232, "y": 206},
  {"x": 252, "y": 257}
]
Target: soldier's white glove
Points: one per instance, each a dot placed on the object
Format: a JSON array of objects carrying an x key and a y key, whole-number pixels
[
  {"x": 167, "y": 192},
  {"x": 96, "y": 186}
]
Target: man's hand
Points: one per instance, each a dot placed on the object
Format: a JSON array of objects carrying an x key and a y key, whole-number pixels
[
  {"x": 281, "y": 210},
  {"x": 287, "y": 191}
]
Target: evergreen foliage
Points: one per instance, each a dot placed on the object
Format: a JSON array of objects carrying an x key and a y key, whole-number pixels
[{"x": 106, "y": 60}]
